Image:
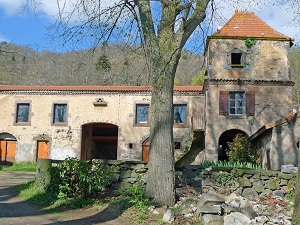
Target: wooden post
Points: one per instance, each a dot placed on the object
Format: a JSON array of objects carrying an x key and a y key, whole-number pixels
[{"x": 43, "y": 172}]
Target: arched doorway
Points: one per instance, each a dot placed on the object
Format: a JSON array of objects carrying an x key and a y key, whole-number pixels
[
  {"x": 226, "y": 137},
  {"x": 8, "y": 145},
  {"x": 99, "y": 141},
  {"x": 146, "y": 148}
]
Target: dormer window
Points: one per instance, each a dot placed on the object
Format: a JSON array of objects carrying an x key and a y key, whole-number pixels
[{"x": 236, "y": 58}]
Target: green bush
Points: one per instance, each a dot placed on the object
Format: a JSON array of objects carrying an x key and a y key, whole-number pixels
[
  {"x": 240, "y": 150},
  {"x": 75, "y": 178}
]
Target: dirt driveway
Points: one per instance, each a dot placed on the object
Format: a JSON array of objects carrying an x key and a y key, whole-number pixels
[{"x": 16, "y": 211}]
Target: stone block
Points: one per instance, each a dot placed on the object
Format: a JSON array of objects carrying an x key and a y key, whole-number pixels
[
  {"x": 247, "y": 209},
  {"x": 285, "y": 176},
  {"x": 258, "y": 186},
  {"x": 249, "y": 192},
  {"x": 245, "y": 182},
  {"x": 210, "y": 209},
  {"x": 209, "y": 199},
  {"x": 236, "y": 218},
  {"x": 273, "y": 185},
  {"x": 210, "y": 219},
  {"x": 268, "y": 173}
]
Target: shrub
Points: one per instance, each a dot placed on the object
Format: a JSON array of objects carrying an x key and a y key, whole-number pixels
[
  {"x": 240, "y": 150},
  {"x": 75, "y": 178}
]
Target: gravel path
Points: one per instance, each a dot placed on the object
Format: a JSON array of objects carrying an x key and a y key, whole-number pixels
[{"x": 16, "y": 211}]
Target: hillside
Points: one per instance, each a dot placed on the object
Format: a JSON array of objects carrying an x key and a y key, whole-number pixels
[{"x": 118, "y": 65}]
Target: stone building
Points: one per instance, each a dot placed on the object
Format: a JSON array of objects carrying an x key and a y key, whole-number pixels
[
  {"x": 247, "y": 86},
  {"x": 88, "y": 122},
  {"x": 278, "y": 142},
  {"x": 248, "y": 80}
]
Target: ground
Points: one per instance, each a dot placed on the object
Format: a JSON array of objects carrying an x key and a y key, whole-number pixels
[{"x": 16, "y": 211}]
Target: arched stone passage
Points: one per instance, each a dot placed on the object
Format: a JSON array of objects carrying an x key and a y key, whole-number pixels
[
  {"x": 99, "y": 141},
  {"x": 226, "y": 137},
  {"x": 8, "y": 144}
]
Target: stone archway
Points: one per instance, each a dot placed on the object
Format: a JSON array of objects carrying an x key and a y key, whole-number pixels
[
  {"x": 8, "y": 144},
  {"x": 226, "y": 137},
  {"x": 99, "y": 141}
]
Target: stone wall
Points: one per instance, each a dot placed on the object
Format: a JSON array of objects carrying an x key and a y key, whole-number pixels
[
  {"x": 248, "y": 182},
  {"x": 244, "y": 182}
]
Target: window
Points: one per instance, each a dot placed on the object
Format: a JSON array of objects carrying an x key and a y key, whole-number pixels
[
  {"x": 142, "y": 114},
  {"x": 237, "y": 103},
  {"x": 180, "y": 114},
  {"x": 236, "y": 58},
  {"x": 59, "y": 113},
  {"x": 22, "y": 113}
]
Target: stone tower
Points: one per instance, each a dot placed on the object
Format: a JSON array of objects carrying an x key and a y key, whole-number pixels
[{"x": 247, "y": 82}]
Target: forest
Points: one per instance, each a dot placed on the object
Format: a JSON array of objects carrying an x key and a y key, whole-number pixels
[{"x": 106, "y": 65}]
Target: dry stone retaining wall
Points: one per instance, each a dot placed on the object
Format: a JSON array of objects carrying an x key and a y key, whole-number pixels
[{"x": 246, "y": 182}]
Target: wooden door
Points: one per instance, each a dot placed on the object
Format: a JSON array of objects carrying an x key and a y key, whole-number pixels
[
  {"x": 11, "y": 151},
  {"x": 43, "y": 150},
  {"x": 146, "y": 150},
  {"x": 2, "y": 150},
  {"x": 7, "y": 151}
]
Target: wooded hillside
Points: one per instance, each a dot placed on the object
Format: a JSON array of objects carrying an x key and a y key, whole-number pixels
[{"x": 108, "y": 65}]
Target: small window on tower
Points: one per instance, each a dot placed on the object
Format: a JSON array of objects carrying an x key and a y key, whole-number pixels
[{"x": 236, "y": 58}]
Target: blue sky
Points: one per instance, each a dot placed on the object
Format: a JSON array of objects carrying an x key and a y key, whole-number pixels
[{"x": 33, "y": 30}]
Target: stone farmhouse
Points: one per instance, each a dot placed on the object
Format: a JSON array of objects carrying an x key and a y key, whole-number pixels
[
  {"x": 247, "y": 87},
  {"x": 88, "y": 122}
]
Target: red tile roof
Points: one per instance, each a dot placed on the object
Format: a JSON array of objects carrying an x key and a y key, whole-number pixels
[
  {"x": 247, "y": 24},
  {"x": 94, "y": 88}
]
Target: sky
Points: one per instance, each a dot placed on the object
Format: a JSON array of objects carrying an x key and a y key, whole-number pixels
[{"x": 29, "y": 29}]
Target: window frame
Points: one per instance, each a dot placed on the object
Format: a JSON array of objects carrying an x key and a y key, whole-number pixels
[
  {"x": 248, "y": 104},
  {"x": 185, "y": 123},
  {"x": 236, "y": 107},
  {"x": 54, "y": 104},
  {"x": 141, "y": 124},
  {"x": 232, "y": 56},
  {"x": 16, "y": 113}
]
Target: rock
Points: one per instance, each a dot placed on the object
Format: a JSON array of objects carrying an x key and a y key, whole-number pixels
[
  {"x": 211, "y": 209},
  {"x": 210, "y": 219},
  {"x": 258, "y": 186},
  {"x": 230, "y": 197},
  {"x": 249, "y": 192},
  {"x": 273, "y": 185},
  {"x": 247, "y": 209},
  {"x": 236, "y": 218},
  {"x": 168, "y": 216},
  {"x": 245, "y": 182}
]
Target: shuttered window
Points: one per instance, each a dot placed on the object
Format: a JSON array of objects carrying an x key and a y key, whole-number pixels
[
  {"x": 237, "y": 103},
  {"x": 223, "y": 106},
  {"x": 250, "y": 103}
]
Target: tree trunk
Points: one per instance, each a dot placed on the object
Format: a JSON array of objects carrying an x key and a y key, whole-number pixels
[
  {"x": 296, "y": 214},
  {"x": 161, "y": 174}
]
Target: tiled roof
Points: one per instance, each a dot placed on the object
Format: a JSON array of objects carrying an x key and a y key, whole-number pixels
[
  {"x": 247, "y": 24},
  {"x": 95, "y": 88}
]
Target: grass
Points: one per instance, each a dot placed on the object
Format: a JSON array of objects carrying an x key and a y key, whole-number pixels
[{"x": 20, "y": 167}]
